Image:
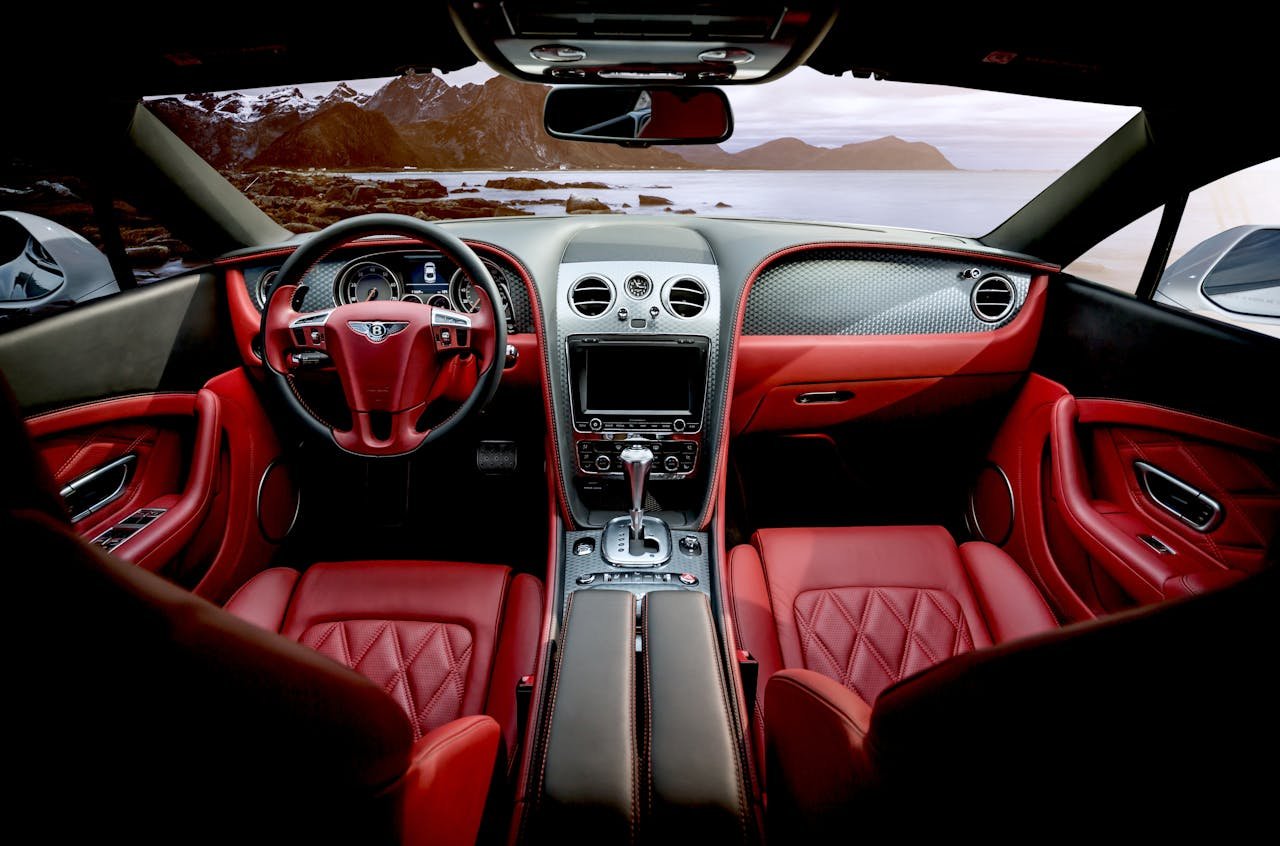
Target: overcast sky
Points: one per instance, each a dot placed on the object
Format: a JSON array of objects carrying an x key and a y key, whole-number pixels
[{"x": 977, "y": 130}]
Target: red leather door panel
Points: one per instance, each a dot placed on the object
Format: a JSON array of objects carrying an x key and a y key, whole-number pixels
[
  {"x": 206, "y": 458},
  {"x": 1110, "y": 511},
  {"x": 1081, "y": 511},
  {"x": 157, "y": 428}
]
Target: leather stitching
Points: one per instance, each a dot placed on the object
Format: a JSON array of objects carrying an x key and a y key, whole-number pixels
[{"x": 878, "y": 645}]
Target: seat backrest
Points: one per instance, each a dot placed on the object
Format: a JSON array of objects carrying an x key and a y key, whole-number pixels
[
  {"x": 1153, "y": 718},
  {"x": 146, "y": 711}
]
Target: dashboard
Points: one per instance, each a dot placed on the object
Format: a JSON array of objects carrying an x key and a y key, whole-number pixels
[{"x": 685, "y": 334}]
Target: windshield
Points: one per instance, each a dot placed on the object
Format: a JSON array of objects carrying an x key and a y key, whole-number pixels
[{"x": 806, "y": 147}]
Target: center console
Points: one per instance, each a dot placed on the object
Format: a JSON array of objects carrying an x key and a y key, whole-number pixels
[{"x": 638, "y": 340}]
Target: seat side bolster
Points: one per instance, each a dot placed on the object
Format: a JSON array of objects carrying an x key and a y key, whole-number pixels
[
  {"x": 818, "y": 758},
  {"x": 441, "y": 798},
  {"x": 1010, "y": 603},
  {"x": 264, "y": 599}
]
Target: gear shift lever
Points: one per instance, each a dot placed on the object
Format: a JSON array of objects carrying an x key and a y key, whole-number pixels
[
  {"x": 637, "y": 461},
  {"x": 636, "y": 540}
]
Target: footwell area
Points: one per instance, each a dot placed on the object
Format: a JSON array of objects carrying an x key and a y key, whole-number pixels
[
  {"x": 436, "y": 505},
  {"x": 903, "y": 471}
]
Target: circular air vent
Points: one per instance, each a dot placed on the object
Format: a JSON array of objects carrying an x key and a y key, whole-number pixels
[
  {"x": 685, "y": 296},
  {"x": 992, "y": 298},
  {"x": 591, "y": 296}
]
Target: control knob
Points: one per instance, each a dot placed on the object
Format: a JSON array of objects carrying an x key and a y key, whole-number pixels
[
  {"x": 603, "y": 462},
  {"x": 671, "y": 464},
  {"x": 678, "y": 424}
]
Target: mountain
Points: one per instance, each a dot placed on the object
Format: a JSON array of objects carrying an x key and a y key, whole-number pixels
[
  {"x": 417, "y": 97},
  {"x": 888, "y": 153},
  {"x": 502, "y": 128},
  {"x": 344, "y": 136},
  {"x": 231, "y": 128},
  {"x": 419, "y": 119}
]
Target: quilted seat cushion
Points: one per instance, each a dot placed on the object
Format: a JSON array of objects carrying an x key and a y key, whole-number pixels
[
  {"x": 869, "y": 638},
  {"x": 423, "y": 666}
]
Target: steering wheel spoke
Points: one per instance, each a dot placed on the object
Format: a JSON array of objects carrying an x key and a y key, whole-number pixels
[{"x": 393, "y": 358}]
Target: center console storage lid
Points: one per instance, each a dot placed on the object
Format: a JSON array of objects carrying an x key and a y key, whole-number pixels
[
  {"x": 590, "y": 764},
  {"x": 697, "y": 790}
]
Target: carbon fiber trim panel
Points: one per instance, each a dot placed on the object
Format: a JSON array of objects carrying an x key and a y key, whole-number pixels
[
  {"x": 638, "y": 580},
  {"x": 322, "y": 277},
  {"x": 871, "y": 292}
]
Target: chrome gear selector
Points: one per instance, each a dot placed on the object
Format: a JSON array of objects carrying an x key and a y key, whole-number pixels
[{"x": 636, "y": 540}]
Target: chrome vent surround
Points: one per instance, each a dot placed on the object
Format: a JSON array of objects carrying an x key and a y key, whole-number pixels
[
  {"x": 591, "y": 296},
  {"x": 685, "y": 296},
  {"x": 993, "y": 298}
]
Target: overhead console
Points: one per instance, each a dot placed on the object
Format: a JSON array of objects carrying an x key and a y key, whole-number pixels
[{"x": 614, "y": 42}]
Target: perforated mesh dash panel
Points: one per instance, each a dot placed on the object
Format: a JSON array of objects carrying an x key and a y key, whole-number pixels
[{"x": 871, "y": 292}]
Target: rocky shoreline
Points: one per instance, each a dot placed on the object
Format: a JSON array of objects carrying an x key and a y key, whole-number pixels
[{"x": 307, "y": 201}]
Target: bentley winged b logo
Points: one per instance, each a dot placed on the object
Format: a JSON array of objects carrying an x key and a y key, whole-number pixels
[{"x": 377, "y": 331}]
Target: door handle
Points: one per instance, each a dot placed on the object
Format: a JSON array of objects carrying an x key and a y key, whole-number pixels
[
  {"x": 1186, "y": 502},
  {"x": 813, "y": 397},
  {"x": 99, "y": 487}
]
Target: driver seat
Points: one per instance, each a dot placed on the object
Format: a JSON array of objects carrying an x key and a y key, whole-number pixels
[{"x": 145, "y": 711}]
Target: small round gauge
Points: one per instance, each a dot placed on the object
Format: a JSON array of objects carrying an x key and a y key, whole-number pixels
[
  {"x": 263, "y": 286},
  {"x": 439, "y": 301},
  {"x": 367, "y": 280},
  {"x": 638, "y": 286},
  {"x": 411, "y": 298}
]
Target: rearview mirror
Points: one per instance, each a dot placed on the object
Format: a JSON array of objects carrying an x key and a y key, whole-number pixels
[{"x": 637, "y": 116}]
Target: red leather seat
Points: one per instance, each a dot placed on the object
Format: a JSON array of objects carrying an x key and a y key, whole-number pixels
[
  {"x": 927, "y": 691},
  {"x": 444, "y": 640},
  {"x": 148, "y": 712},
  {"x": 869, "y": 606}
]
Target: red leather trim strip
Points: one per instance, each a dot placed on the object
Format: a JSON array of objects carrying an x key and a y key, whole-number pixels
[
  {"x": 525, "y": 792},
  {"x": 245, "y": 317},
  {"x": 718, "y": 469},
  {"x": 1128, "y": 413},
  {"x": 172, "y": 404},
  {"x": 156, "y": 545}
]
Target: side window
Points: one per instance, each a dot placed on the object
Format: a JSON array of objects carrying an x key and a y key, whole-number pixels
[
  {"x": 1118, "y": 261},
  {"x": 53, "y": 254},
  {"x": 1225, "y": 259}
]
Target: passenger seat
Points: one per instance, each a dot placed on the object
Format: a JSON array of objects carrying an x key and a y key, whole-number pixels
[{"x": 869, "y": 606}]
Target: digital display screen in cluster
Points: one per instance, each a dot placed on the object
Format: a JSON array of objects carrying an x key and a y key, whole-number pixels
[{"x": 427, "y": 276}]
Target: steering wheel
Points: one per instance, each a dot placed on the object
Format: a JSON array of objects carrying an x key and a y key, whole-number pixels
[{"x": 394, "y": 359}]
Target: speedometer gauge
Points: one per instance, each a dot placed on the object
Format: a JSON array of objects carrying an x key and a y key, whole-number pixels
[
  {"x": 367, "y": 280},
  {"x": 463, "y": 294}
]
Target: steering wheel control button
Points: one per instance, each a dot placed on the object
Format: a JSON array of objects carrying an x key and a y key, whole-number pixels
[
  {"x": 445, "y": 337},
  {"x": 690, "y": 545},
  {"x": 586, "y": 579},
  {"x": 688, "y": 579},
  {"x": 584, "y": 546}
]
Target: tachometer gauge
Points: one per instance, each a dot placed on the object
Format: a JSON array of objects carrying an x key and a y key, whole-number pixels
[{"x": 367, "y": 280}]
